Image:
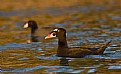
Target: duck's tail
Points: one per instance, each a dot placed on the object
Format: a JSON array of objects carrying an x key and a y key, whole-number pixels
[{"x": 102, "y": 49}]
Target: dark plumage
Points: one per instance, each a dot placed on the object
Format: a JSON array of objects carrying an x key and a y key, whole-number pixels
[
  {"x": 64, "y": 51},
  {"x": 33, "y": 25},
  {"x": 36, "y": 32}
]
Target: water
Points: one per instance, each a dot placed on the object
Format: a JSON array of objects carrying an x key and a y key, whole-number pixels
[{"x": 40, "y": 57}]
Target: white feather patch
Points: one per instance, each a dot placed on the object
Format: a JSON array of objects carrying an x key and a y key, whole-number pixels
[
  {"x": 26, "y": 25},
  {"x": 55, "y": 30}
]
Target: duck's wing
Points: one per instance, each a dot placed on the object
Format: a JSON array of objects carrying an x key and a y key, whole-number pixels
[
  {"x": 89, "y": 48},
  {"x": 79, "y": 52},
  {"x": 95, "y": 48},
  {"x": 83, "y": 51}
]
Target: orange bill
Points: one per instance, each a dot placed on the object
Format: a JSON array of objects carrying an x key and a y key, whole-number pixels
[{"x": 48, "y": 36}]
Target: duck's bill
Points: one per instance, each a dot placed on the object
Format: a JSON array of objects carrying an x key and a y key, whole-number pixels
[
  {"x": 50, "y": 36},
  {"x": 25, "y": 25}
]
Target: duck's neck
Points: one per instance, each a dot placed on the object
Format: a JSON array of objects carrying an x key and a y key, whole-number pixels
[
  {"x": 62, "y": 43},
  {"x": 62, "y": 47},
  {"x": 33, "y": 35},
  {"x": 33, "y": 31}
]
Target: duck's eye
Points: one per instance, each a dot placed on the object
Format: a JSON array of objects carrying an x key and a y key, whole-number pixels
[{"x": 54, "y": 34}]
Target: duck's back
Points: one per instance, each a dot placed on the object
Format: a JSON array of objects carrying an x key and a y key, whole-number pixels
[{"x": 76, "y": 52}]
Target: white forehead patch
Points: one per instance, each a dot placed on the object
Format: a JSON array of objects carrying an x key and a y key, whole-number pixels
[
  {"x": 26, "y": 25},
  {"x": 56, "y": 30}
]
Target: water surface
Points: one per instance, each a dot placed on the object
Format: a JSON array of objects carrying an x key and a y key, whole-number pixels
[{"x": 40, "y": 57}]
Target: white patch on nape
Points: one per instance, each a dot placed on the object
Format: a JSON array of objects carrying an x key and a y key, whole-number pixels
[
  {"x": 26, "y": 25},
  {"x": 56, "y": 30}
]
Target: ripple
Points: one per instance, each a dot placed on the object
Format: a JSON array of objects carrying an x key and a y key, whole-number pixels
[
  {"x": 66, "y": 70},
  {"x": 104, "y": 35},
  {"x": 53, "y": 57},
  {"x": 23, "y": 69},
  {"x": 115, "y": 67},
  {"x": 14, "y": 46},
  {"x": 23, "y": 58},
  {"x": 116, "y": 18},
  {"x": 91, "y": 71}
]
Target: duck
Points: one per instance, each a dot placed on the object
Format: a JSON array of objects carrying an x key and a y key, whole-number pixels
[
  {"x": 64, "y": 51},
  {"x": 36, "y": 31}
]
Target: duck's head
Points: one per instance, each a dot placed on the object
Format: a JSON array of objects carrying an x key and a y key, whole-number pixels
[
  {"x": 58, "y": 32},
  {"x": 30, "y": 24}
]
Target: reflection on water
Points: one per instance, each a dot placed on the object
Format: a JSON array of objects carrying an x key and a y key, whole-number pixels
[{"x": 64, "y": 62}]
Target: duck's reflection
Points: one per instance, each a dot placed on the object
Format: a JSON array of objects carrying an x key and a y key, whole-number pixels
[{"x": 64, "y": 61}]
